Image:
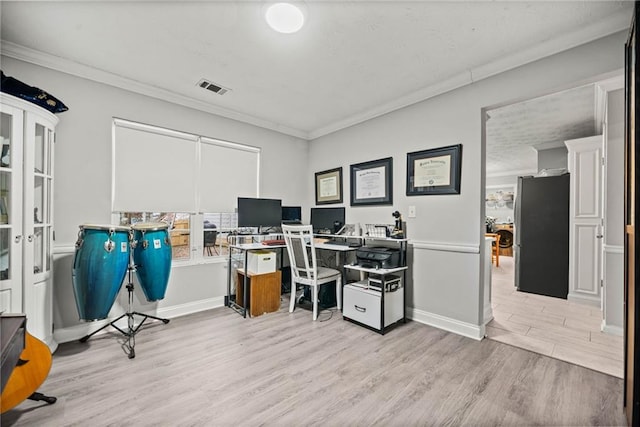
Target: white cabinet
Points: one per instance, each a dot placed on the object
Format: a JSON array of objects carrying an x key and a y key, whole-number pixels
[
  {"x": 378, "y": 301},
  {"x": 585, "y": 219},
  {"x": 26, "y": 214},
  {"x": 371, "y": 306}
]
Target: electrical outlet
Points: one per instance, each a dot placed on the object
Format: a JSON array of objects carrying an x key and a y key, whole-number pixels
[{"x": 412, "y": 211}]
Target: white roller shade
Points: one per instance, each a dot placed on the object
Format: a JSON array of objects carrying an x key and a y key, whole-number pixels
[
  {"x": 154, "y": 169},
  {"x": 227, "y": 171}
]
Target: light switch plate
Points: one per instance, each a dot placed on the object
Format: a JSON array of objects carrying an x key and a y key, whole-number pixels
[{"x": 412, "y": 211}]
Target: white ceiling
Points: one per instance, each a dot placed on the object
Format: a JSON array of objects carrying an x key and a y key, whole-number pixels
[
  {"x": 353, "y": 60},
  {"x": 545, "y": 122}
]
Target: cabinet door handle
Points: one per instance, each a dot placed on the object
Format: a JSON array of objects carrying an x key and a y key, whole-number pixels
[
  {"x": 18, "y": 238},
  {"x": 30, "y": 237},
  {"x": 360, "y": 309}
]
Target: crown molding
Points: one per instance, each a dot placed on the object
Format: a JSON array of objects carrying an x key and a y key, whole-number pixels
[
  {"x": 22, "y": 53},
  {"x": 420, "y": 95},
  {"x": 547, "y": 146},
  {"x": 605, "y": 27}
]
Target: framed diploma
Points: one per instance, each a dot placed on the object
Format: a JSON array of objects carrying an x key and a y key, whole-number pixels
[
  {"x": 435, "y": 171},
  {"x": 372, "y": 183},
  {"x": 329, "y": 187}
]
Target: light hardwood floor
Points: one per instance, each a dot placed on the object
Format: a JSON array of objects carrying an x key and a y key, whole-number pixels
[
  {"x": 216, "y": 368},
  {"x": 551, "y": 326}
]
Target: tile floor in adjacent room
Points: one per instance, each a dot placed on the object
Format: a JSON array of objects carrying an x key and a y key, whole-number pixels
[{"x": 554, "y": 327}]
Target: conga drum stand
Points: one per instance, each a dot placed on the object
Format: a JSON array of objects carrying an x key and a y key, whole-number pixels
[{"x": 131, "y": 331}]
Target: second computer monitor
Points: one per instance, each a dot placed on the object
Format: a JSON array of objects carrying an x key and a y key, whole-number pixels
[
  {"x": 292, "y": 215},
  {"x": 327, "y": 220}
]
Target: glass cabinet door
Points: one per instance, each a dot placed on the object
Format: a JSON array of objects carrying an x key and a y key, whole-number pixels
[
  {"x": 10, "y": 208},
  {"x": 26, "y": 217},
  {"x": 42, "y": 185}
]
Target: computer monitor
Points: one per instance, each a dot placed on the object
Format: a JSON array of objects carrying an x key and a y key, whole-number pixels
[
  {"x": 254, "y": 212},
  {"x": 292, "y": 214},
  {"x": 327, "y": 219}
]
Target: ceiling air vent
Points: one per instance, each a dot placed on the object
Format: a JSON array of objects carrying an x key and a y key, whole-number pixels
[{"x": 206, "y": 84}]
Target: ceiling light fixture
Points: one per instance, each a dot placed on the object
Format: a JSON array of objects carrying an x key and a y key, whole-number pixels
[{"x": 284, "y": 18}]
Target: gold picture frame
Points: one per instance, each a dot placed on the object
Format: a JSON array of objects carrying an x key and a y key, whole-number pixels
[{"x": 329, "y": 186}]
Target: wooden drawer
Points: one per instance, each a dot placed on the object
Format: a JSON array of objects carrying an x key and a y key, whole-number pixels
[{"x": 362, "y": 305}]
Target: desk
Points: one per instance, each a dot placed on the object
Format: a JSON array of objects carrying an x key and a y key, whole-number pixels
[{"x": 244, "y": 248}]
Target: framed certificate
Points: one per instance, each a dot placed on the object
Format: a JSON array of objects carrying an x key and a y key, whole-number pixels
[
  {"x": 435, "y": 171},
  {"x": 329, "y": 186},
  {"x": 372, "y": 183}
]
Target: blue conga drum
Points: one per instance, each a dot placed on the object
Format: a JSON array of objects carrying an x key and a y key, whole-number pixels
[
  {"x": 152, "y": 257},
  {"x": 99, "y": 268}
]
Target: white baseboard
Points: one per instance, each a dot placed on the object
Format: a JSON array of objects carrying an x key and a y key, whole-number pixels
[
  {"x": 476, "y": 332},
  {"x": 611, "y": 329},
  {"x": 76, "y": 332},
  {"x": 190, "y": 308},
  {"x": 51, "y": 343}
]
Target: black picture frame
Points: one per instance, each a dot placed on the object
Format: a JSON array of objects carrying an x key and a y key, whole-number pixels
[
  {"x": 329, "y": 186},
  {"x": 434, "y": 171},
  {"x": 372, "y": 182}
]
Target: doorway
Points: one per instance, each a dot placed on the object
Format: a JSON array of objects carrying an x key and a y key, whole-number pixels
[{"x": 525, "y": 138}]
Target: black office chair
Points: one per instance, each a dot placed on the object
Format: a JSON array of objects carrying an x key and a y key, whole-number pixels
[{"x": 210, "y": 237}]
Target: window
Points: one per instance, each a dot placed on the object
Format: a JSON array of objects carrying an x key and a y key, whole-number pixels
[
  {"x": 165, "y": 175},
  {"x": 178, "y": 229},
  {"x": 217, "y": 227}
]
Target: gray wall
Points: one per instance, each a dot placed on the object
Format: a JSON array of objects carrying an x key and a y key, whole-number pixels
[
  {"x": 447, "y": 232},
  {"x": 83, "y": 181}
]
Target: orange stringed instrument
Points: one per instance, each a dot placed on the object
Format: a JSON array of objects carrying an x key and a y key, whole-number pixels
[{"x": 29, "y": 374}]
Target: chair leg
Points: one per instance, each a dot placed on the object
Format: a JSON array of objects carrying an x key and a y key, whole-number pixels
[
  {"x": 292, "y": 304},
  {"x": 315, "y": 302},
  {"x": 339, "y": 292}
]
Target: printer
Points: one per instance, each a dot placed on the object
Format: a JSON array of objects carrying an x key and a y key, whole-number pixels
[{"x": 378, "y": 257}]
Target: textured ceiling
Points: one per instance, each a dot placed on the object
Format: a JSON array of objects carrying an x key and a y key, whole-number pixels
[
  {"x": 513, "y": 130},
  {"x": 352, "y": 61}
]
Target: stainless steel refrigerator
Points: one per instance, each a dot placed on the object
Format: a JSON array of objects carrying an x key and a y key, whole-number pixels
[{"x": 541, "y": 247}]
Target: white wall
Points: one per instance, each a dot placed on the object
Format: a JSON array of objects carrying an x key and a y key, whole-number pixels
[
  {"x": 83, "y": 181},
  {"x": 552, "y": 158},
  {"x": 446, "y": 234},
  {"x": 614, "y": 215}
]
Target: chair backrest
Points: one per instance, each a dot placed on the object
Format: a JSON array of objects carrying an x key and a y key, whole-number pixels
[
  {"x": 210, "y": 237},
  {"x": 302, "y": 251}
]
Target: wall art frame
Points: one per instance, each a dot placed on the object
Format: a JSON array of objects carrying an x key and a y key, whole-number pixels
[
  {"x": 434, "y": 171},
  {"x": 329, "y": 186},
  {"x": 372, "y": 182}
]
